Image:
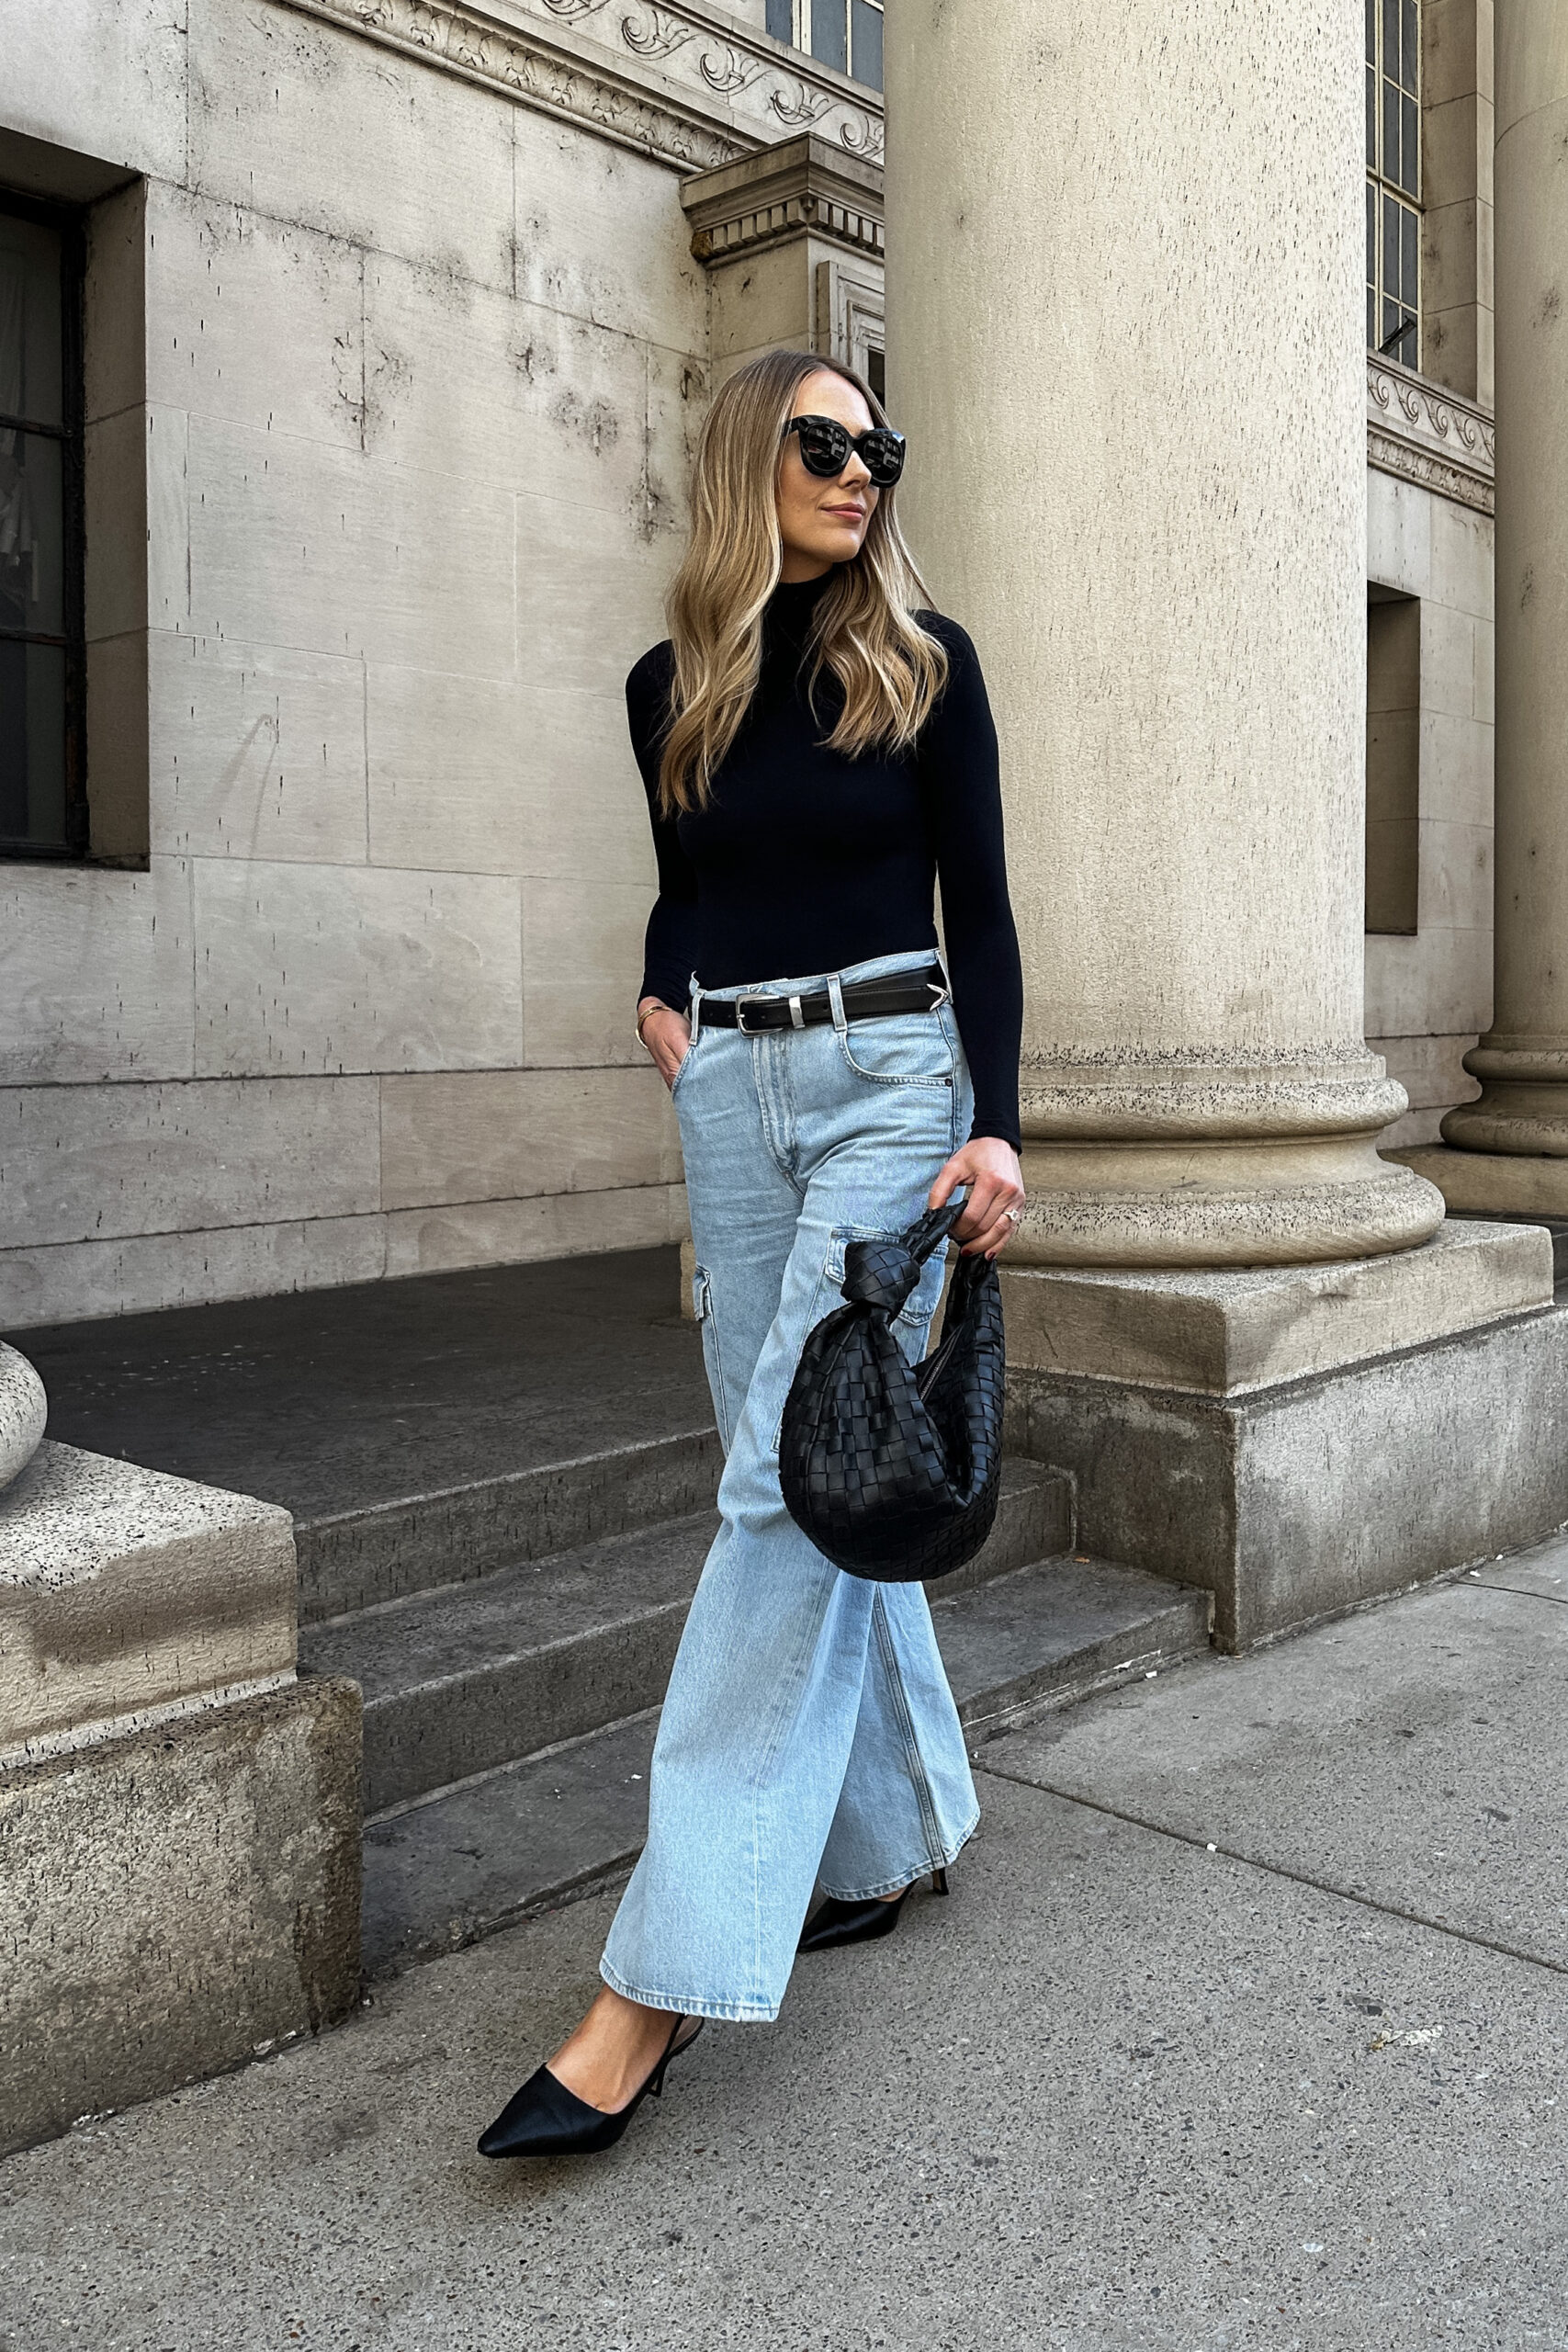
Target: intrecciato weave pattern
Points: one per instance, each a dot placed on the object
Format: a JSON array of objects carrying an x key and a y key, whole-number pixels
[{"x": 893, "y": 1469}]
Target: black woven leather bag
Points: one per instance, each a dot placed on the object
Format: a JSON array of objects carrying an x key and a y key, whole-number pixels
[{"x": 892, "y": 1469}]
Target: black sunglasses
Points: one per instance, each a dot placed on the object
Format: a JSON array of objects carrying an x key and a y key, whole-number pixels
[{"x": 824, "y": 446}]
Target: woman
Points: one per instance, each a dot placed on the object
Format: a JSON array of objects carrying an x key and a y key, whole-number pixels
[{"x": 817, "y": 753}]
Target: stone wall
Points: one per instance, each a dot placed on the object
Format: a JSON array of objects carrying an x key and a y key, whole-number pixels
[{"x": 395, "y": 379}]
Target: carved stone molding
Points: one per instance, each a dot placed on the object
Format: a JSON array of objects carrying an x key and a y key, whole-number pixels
[
  {"x": 800, "y": 187},
  {"x": 680, "y": 80},
  {"x": 1423, "y": 434}
]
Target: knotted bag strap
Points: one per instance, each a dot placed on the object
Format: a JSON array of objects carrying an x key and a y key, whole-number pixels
[{"x": 883, "y": 1273}]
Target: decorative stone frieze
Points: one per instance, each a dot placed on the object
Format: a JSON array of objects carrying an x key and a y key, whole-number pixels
[
  {"x": 682, "y": 82},
  {"x": 802, "y": 184},
  {"x": 1423, "y": 434}
]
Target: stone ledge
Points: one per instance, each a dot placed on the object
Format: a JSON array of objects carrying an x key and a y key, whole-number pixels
[
  {"x": 1511, "y": 1183},
  {"x": 124, "y": 1591},
  {"x": 175, "y": 1902},
  {"x": 1223, "y": 1334}
]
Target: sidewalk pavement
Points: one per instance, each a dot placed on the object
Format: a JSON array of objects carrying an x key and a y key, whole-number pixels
[{"x": 1243, "y": 2028}]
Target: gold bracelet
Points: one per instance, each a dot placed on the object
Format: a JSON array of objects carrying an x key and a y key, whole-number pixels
[{"x": 655, "y": 1007}]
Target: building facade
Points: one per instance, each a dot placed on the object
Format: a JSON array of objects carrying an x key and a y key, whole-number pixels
[{"x": 351, "y": 357}]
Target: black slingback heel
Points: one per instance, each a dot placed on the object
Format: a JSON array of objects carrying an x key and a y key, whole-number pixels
[
  {"x": 543, "y": 2119},
  {"x": 839, "y": 1923}
]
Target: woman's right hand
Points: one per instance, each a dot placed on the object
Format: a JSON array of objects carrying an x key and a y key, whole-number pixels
[{"x": 667, "y": 1036}]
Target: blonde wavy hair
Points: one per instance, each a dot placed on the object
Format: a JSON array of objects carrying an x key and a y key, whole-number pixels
[{"x": 863, "y": 630}]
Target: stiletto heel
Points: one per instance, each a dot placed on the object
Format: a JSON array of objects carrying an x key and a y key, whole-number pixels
[
  {"x": 835, "y": 1922},
  {"x": 543, "y": 2119}
]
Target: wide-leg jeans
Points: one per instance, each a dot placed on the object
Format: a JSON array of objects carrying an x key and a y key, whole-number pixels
[{"x": 808, "y": 1734}]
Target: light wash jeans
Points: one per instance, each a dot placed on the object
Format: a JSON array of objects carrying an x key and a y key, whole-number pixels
[{"x": 809, "y": 1733}]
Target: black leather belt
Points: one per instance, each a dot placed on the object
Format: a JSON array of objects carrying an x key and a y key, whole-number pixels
[{"x": 864, "y": 1000}]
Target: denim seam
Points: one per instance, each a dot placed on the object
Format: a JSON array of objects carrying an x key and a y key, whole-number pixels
[
  {"x": 691, "y": 2006},
  {"x": 913, "y": 1758},
  {"x": 769, "y": 1130},
  {"x": 786, "y": 1699},
  {"x": 949, "y": 1852},
  {"x": 877, "y": 1077},
  {"x": 708, "y": 1323}
]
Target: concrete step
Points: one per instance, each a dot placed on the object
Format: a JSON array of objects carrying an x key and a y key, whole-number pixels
[
  {"x": 462, "y": 1678},
  {"x": 467, "y": 1860},
  {"x": 357, "y": 1559},
  {"x": 1060, "y": 1630}
]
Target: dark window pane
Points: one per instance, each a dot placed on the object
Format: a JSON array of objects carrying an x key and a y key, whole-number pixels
[
  {"x": 1391, "y": 317},
  {"x": 30, "y": 378},
  {"x": 780, "y": 19},
  {"x": 1371, "y": 317},
  {"x": 1371, "y": 120},
  {"x": 865, "y": 24},
  {"x": 1410, "y": 148},
  {"x": 32, "y": 745},
  {"x": 1390, "y": 36},
  {"x": 829, "y": 33},
  {"x": 1407, "y": 269},
  {"x": 1371, "y": 235},
  {"x": 876, "y": 372},
  {"x": 1372, "y": 32},
  {"x": 1407, "y": 61},
  {"x": 32, "y": 534},
  {"x": 1390, "y": 130}
]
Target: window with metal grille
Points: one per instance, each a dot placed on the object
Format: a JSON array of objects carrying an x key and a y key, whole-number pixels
[
  {"x": 1393, "y": 179},
  {"x": 42, "y": 801},
  {"x": 842, "y": 33}
]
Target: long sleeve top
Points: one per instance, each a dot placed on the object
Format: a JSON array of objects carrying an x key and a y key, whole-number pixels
[{"x": 806, "y": 861}]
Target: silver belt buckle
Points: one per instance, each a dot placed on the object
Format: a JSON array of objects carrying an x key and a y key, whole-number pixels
[{"x": 740, "y": 1005}]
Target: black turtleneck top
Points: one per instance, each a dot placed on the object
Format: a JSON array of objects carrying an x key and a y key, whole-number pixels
[{"x": 805, "y": 861}]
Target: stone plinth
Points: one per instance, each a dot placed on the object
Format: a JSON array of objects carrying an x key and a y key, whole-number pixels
[
  {"x": 179, "y": 1816},
  {"x": 125, "y": 1593},
  {"x": 1492, "y": 1183},
  {"x": 1301, "y": 1441},
  {"x": 174, "y": 1901},
  {"x": 1222, "y": 1333}
]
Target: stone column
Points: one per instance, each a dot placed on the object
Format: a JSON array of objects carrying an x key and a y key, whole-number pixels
[
  {"x": 1512, "y": 1145},
  {"x": 1124, "y": 304},
  {"x": 1126, "y": 342}
]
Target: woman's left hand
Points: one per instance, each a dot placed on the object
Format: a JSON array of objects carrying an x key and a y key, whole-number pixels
[{"x": 989, "y": 1167}]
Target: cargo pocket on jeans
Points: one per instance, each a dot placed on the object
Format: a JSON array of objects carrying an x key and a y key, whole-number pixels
[
  {"x": 916, "y": 1309},
  {"x": 701, "y": 1310}
]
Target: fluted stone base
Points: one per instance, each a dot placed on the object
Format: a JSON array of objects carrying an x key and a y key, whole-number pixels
[
  {"x": 1522, "y": 1109},
  {"x": 1164, "y": 1163},
  {"x": 1208, "y": 1204}
]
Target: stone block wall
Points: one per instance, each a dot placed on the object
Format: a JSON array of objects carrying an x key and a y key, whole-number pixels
[{"x": 403, "y": 377}]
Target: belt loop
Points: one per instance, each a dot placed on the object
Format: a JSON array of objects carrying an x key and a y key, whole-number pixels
[
  {"x": 836, "y": 999},
  {"x": 946, "y": 996},
  {"x": 796, "y": 1018},
  {"x": 696, "y": 1007}
]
